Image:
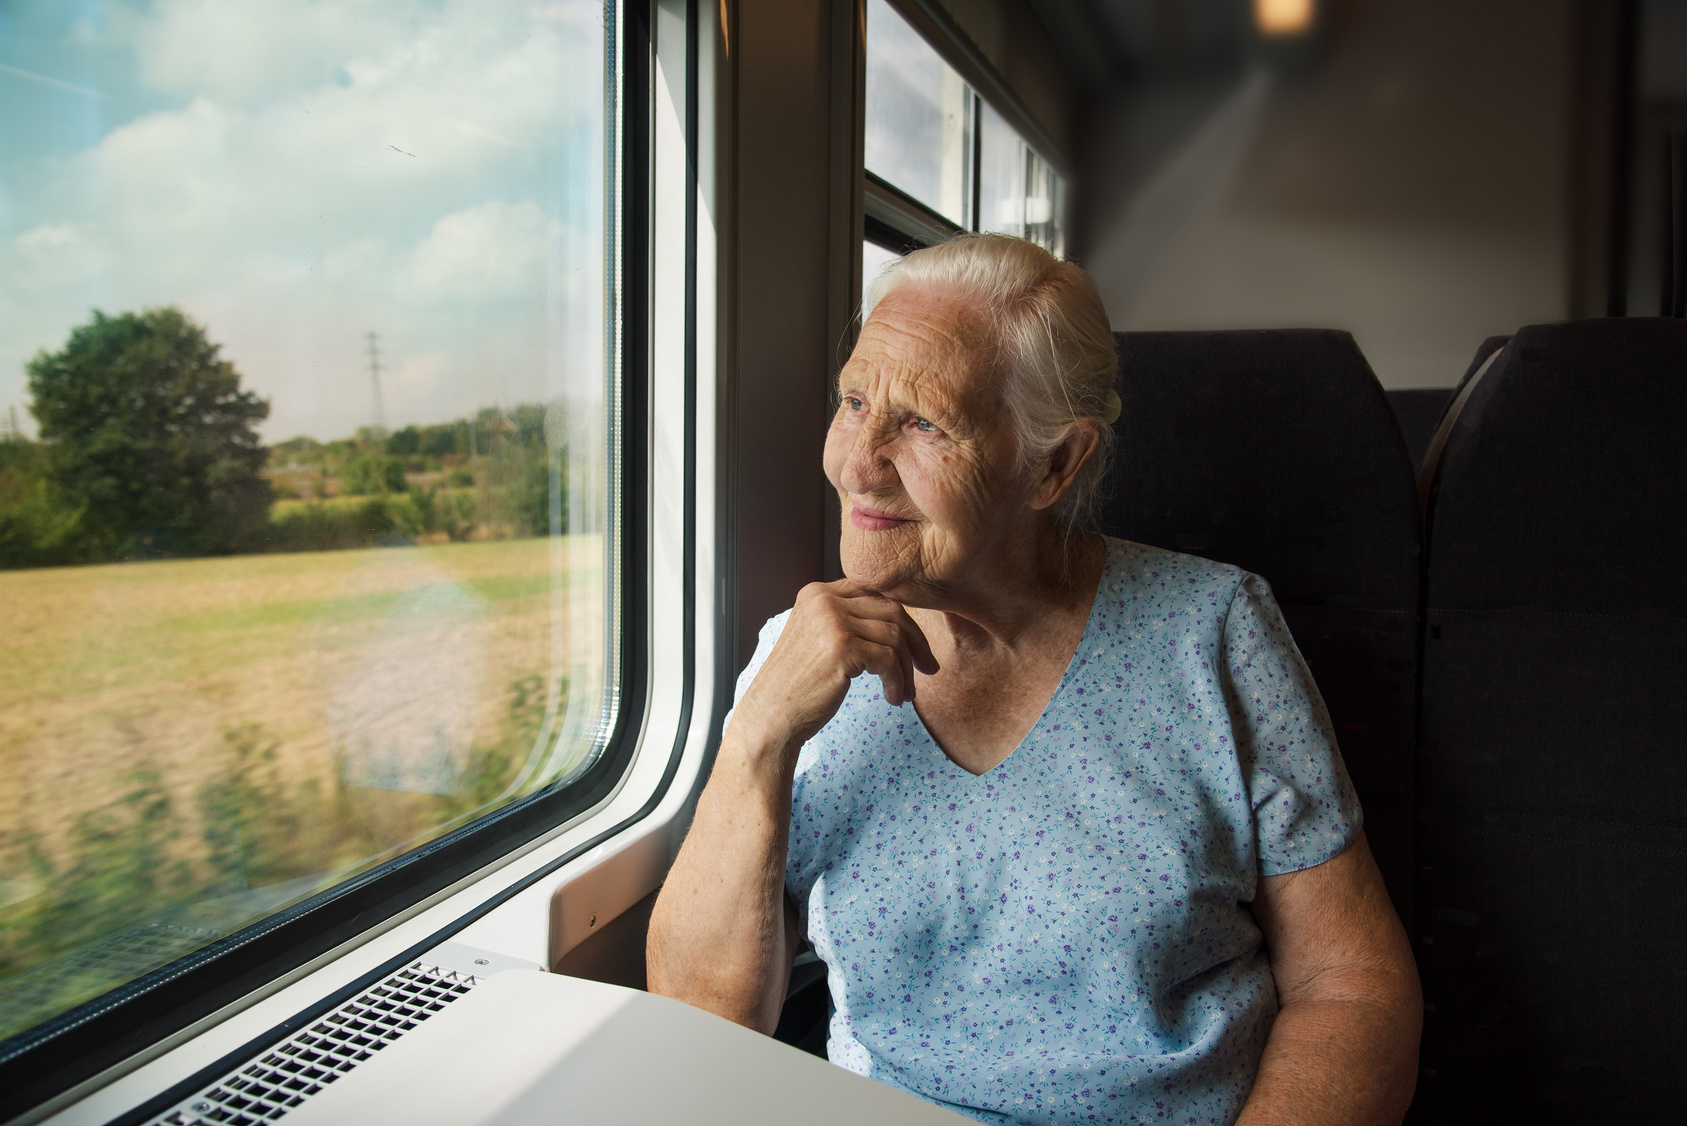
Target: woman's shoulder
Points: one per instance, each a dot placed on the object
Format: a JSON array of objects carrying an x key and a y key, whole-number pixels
[
  {"x": 771, "y": 629},
  {"x": 769, "y": 637},
  {"x": 1143, "y": 567}
]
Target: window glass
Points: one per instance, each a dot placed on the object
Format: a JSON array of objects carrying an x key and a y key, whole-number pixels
[
  {"x": 874, "y": 258},
  {"x": 919, "y": 129},
  {"x": 1044, "y": 203},
  {"x": 1001, "y": 175},
  {"x": 303, "y": 453},
  {"x": 931, "y": 135},
  {"x": 1019, "y": 193}
]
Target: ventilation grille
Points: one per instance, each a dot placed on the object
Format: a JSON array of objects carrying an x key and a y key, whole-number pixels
[{"x": 285, "y": 1076}]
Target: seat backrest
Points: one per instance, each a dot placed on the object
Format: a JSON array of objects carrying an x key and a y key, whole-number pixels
[
  {"x": 1277, "y": 451},
  {"x": 1419, "y": 411},
  {"x": 1553, "y": 761}
]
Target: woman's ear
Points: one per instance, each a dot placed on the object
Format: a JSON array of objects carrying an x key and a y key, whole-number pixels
[{"x": 1065, "y": 460}]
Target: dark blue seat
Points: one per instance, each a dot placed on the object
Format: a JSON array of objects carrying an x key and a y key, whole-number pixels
[
  {"x": 1277, "y": 451},
  {"x": 1419, "y": 411},
  {"x": 1552, "y": 829}
]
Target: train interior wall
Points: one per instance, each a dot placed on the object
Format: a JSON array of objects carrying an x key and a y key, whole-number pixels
[{"x": 1407, "y": 177}]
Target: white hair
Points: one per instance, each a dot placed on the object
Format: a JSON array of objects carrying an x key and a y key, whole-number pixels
[{"x": 1053, "y": 345}]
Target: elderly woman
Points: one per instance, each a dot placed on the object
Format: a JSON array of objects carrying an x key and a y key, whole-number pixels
[{"x": 1063, "y": 815}]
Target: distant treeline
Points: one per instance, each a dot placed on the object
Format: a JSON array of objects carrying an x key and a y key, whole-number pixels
[
  {"x": 148, "y": 448},
  {"x": 489, "y": 477}
]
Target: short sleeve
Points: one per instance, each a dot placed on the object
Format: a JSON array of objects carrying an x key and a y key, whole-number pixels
[
  {"x": 770, "y": 631},
  {"x": 1304, "y": 809}
]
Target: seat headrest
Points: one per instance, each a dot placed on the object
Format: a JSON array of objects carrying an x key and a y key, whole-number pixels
[
  {"x": 1562, "y": 480},
  {"x": 1273, "y": 450}
]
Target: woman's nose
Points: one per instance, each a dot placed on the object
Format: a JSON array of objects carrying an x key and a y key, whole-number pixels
[{"x": 867, "y": 465}]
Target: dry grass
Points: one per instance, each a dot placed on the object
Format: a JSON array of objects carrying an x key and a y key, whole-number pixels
[
  {"x": 107, "y": 670},
  {"x": 186, "y": 746}
]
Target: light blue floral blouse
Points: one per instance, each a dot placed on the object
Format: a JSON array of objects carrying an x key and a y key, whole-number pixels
[{"x": 1066, "y": 937}]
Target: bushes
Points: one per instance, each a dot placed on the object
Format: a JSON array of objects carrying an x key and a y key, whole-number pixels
[
  {"x": 325, "y": 526},
  {"x": 37, "y": 528},
  {"x": 528, "y": 498},
  {"x": 511, "y": 501},
  {"x": 368, "y": 474}
]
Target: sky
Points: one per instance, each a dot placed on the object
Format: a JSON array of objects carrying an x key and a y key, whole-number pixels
[{"x": 295, "y": 174}]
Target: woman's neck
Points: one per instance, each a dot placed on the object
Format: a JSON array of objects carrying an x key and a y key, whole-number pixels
[{"x": 1011, "y": 598}]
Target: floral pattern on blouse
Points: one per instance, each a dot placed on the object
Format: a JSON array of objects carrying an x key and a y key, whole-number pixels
[{"x": 1067, "y": 937}]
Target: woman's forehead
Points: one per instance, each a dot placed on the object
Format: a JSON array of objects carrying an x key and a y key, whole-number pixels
[{"x": 930, "y": 339}]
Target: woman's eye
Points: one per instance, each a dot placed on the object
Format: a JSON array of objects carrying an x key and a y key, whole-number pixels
[
  {"x": 854, "y": 404},
  {"x": 924, "y": 424}
]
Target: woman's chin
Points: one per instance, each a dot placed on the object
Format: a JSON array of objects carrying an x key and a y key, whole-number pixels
[{"x": 870, "y": 565}]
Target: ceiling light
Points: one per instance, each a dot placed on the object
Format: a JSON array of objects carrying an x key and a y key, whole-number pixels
[{"x": 1278, "y": 18}]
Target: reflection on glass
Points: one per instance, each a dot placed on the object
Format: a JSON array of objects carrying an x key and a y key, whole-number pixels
[
  {"x": 874, "y": 258},
  {"x": 1019, "y": 193},
  {"x": 919, "y": 117},
  {"x": 1001, "y": 175},
  {"x": 1044, "y": 204},
  {"x": 302, "y": 533},
  {"x": 930, "y": 135}
]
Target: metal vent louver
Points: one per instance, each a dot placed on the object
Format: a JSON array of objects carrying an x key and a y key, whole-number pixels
[{"x": 284, "y": 1077}]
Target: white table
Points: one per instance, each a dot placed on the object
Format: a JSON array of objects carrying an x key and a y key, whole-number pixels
[{"x": 526, "y": 1047}]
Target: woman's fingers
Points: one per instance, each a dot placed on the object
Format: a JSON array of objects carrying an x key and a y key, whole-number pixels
[
  {"x": 918, "y": 647},
  {"x": 836, "y": 632},
  {"x": 870, "y": 604},
  {"x": 885, "y": 653}
]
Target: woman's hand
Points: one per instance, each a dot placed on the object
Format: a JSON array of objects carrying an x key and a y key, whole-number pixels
[{"x": 836, "y": 632}]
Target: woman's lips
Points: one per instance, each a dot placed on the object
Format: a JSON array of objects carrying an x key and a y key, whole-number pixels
[{"x": 872, "y": 520}]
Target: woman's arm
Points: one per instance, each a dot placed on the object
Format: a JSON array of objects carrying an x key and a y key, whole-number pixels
[
  {"x": 723, "y": 932},
  {"x": 1344, "y": 1048}
]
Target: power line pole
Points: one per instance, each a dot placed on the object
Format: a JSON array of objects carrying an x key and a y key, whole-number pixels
[
  {"x": 11, "y": 432},
  {"x": 375, "y": 379}
]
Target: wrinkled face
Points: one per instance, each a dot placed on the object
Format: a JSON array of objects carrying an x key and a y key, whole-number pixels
[{"x": 922, "y": 450}]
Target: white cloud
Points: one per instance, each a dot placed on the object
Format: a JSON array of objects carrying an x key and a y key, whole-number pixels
[
  {"x": 484, "y": 133},
  {"x": 419, "y": 376},
  {"x": 236, "y": 52},
  {"x": 491, "y": 251},
  {"x": 272, "y": 206}
]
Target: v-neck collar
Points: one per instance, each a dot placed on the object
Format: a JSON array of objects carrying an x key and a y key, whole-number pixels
[{"x": 1078, "y": 653}]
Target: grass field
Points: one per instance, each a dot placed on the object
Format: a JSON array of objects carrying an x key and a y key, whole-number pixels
[{"x": 174, "y": 732}]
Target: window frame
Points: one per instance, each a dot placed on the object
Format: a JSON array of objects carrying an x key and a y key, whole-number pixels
[
  {"x": 63, "y": 1059},
  {"x": 954, "y": 47},
  {"x": 894, "y": 219},
  {"x": 897, "y": 221}
]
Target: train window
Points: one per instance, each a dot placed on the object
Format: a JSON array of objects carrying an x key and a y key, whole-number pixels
[
  {"x": 1001, "y": 175},
  {"x": 1019, "y": 193},
  {"x": 1045, "y": 194},
  {"x": 933, "y": 137},
  {"x": 920, "y": 117},
  {"x": 308, "y": 480},
  {"x": 874, "y": 258}
]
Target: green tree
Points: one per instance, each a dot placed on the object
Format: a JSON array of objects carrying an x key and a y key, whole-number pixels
[
  {"x": 373, "y": 473},
  {"x": 405, "y": 442},
  {"x": 437, "y": 441},
  {"x": 37, "y": 527},
  {"x": 152, "y": 438}
]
